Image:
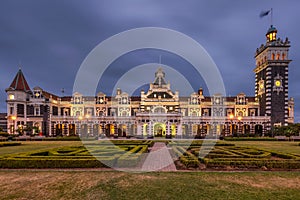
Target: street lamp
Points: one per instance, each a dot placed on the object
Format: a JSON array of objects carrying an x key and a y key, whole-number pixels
[
  {"x": 79, "y": 125},
  {"x": 14, "y": 125},
  {"x": 231, "y": 119},
  {"x": 87, "y": 116},
  {"x": 239, "y": 119}
]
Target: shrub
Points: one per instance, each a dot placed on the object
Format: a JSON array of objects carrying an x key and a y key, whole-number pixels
[
  {"x": 4, "y": 134},
  {"x": 68, "y": 138},
  {"x": 50, "y": 163},
  {"x": 186, "y": 157},
  {"x": 6, "y": 144},
  {"x": 277, "y": 164},
  {"x": 250, "y": 139},
  {"x": 132, "y": 157}
]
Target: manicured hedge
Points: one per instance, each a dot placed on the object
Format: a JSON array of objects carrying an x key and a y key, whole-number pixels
[
  {"x": 186, "y": 157},
  {"x": 4, "y": 134},
  {"x": 250, "y": 139},
  {"x": 276, "y": 164},
  {"x": 51, "y": 163},
  {"x": 132, "y": 157},
  {"x": 68, "y": 138},
  {"x": 6, "y": 144}
]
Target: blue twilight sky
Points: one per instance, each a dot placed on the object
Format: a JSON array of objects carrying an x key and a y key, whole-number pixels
[{"x": 49, "y": 39}]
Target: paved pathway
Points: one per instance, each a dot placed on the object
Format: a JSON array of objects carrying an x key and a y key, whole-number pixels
[{"x": 159, "y": 159}]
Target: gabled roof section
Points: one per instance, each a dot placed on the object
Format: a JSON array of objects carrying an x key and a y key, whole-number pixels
[{"x": 19, "y": 83}]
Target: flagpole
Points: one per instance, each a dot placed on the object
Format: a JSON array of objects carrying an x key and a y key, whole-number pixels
[{"x": 271, "y": 16}]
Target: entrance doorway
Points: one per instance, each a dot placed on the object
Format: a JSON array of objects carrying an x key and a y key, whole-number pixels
[{"x": 159, "y": 130}]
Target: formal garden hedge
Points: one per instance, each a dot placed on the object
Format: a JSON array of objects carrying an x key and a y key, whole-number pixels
[
  {"x": 247, "y": 157},
  {"x": 224, "y": 155},
  {"x": 101, "y": 154},
  {"x": 250, "y": 139},
  {"x": 6, "y": 144},
  {"x": 129, "y": 153}
]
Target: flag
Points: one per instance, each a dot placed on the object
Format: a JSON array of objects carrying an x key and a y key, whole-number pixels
[{"x": 264, "y": 13}]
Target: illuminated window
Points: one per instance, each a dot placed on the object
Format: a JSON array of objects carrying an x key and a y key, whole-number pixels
[
  {"x": 278, "y": 56},
  {"x": 11, "y": 97},
  {"x": 273, "y": 56}
]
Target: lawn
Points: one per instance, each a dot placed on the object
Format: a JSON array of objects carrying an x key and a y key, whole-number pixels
[
  {"x": 281, "y": 146},
  {"x": 103, "y": 185},
  {"x": 28, "y": 146}
]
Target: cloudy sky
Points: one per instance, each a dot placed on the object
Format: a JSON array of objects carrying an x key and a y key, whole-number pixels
[{"x": 50, "y": 39}]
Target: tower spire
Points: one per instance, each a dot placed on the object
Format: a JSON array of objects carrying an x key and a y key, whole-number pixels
[{"x": 19, "y": 83}]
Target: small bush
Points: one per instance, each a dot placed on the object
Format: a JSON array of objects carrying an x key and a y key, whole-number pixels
[
  {"x": 4, "y": 134},
  {"x": 6, "y": 144},
  {"x": 49, "y": 163},
  {"x": 250, "y": 139}
]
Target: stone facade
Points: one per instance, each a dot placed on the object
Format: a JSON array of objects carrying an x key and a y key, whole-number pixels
[{"x": 159, "y": 112}]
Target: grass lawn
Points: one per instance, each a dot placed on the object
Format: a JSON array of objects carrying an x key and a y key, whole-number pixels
[
  {"x": 281, "y": 146},
  {"x": 120, "y": 185},
  {"x": 27, "y": 146}
]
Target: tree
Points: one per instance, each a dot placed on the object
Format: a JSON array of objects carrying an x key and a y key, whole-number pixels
[{"x": 290, "y": 130}]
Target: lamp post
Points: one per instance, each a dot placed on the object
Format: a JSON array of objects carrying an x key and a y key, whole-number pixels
[
  {"x": 14, "y": 123},
  {"x": 231, "y": 120},
  {"x": 79, "y": 125},
  {"x": 239, "y": 120},
  {"x": 87, "y": 116}
]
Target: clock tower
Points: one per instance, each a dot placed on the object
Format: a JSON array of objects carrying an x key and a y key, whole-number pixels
[{"x": 271, "y": 78}]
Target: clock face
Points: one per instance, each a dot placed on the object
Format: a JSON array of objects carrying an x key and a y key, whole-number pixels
[
  {"x": 124, "y": 100},
  {"x": 37, "y": 94},
  {"x": 278, "y": 83}
]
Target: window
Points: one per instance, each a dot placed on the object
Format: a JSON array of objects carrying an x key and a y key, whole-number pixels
[
  {"x": 278, "y": 56},
  {"x": 11, "y": 110},
  {"x": 37, "y": 111},
  {"x": 273, "y": 56},
  {"x": 11, "y": 97}
]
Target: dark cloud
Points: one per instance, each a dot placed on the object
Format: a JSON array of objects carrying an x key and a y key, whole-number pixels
[{"x": 50, "y": 39}]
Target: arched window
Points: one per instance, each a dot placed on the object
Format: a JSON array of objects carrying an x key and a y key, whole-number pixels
[
  {"x": 77, "y": 113},
  {"x": 273, "y": 56},
  {"x": 278, "y": 57},
  {"x": 124, "y": 114},
  {"x": 283, "y": 56}
]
